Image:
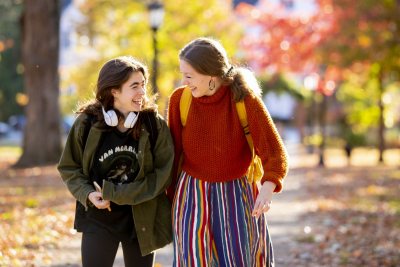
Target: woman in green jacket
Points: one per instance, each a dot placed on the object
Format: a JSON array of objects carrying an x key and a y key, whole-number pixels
[{"x": 120, "y": 142}]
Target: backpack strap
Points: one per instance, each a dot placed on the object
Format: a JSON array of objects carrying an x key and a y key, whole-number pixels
[
  {"x": 89, "y": 121},
  {"x": 256, "y": 170},
  {"x": 151, "y": 125},
  {"x": 241, "y": 110},
  {"x": 184, "y": 104}
]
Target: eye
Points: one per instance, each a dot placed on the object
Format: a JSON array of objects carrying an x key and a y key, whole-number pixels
[{"x": 141, "y": 85}]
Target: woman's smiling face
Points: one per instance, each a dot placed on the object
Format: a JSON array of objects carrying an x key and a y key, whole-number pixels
[
  {"x": 198, "y": 83},
  {"x": 130, "y": 96}
]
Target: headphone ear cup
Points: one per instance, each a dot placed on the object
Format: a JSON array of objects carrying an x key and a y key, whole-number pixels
[
  {"x": 131, "y": 120},
  {"x": 114, "y": 117},
  {"x": 110, "y": 117}
]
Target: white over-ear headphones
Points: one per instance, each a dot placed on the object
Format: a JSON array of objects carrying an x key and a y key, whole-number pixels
[
  {"x": 111, "y": 118},
  {"x": 131, "y": 119}
]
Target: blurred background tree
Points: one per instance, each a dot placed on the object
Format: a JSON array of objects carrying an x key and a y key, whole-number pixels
[
  {"x": 283, "y": 44},
  {"x": 352, "y": 47},
  {"x": 11, "y": 70},
  {"x": 40, "y": 51},
  {"x": 365, "y": 39},
  {"x": 131, "y": 35}
]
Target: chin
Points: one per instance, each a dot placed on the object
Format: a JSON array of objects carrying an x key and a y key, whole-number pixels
[
  {"x": 196, "y": 94},
  {"x": 136, "y": 109}
]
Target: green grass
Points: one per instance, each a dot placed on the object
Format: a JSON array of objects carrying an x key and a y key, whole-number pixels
[{"x": 10, "y": 151}]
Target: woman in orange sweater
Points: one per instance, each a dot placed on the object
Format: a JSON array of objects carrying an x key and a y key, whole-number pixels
[{"x": 218, "y": 215}]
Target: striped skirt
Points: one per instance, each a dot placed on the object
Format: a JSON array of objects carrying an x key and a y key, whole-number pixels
[{"x": 213, "y": 225}]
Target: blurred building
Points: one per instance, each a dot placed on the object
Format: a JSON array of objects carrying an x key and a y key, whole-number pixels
[
  {"x": 281, "y": 106},
  {"x": 74, "y": 48}
]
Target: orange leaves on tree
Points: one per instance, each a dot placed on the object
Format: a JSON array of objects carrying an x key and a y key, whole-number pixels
[{"x": 279, "y": 41}]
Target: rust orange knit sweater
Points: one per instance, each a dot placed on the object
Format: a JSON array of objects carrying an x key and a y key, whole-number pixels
[{"x": 213, "y": 143}]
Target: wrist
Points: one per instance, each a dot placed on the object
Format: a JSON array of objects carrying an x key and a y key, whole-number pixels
[
  {"x": 89, "y": 201},
  {"x": 269, "y": 185}
]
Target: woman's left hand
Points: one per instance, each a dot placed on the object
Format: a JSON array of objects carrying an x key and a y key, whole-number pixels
[{"x": 264, "y": 199}]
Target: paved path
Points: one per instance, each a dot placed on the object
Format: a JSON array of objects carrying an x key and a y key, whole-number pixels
[
  {"x": 283, "y": 224},
  {"x": 283, "y": 218}
]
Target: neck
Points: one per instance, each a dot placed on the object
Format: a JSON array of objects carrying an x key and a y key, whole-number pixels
[
  {"x": 121, "y": 127},
  {"x": 123, "y": 112},
  {"x": 218, "y": 83}
]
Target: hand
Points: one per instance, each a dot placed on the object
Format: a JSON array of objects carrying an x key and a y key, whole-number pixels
[
  {"x": 97, "y": 200},
  {"x": 264, "y": 199}
]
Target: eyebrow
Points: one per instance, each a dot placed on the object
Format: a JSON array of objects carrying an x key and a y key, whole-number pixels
[{"x": 137, "y": 83}]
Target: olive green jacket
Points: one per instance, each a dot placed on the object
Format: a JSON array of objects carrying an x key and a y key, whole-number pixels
[{"x": 150, "y": 207}]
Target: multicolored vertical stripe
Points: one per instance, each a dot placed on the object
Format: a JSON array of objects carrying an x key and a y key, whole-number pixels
[{"x": 213, "y": 225}]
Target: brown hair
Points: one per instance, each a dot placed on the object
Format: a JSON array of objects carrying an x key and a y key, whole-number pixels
[
  {"x": 208, "y": 57},
  {"x": 113, "y": 75}
]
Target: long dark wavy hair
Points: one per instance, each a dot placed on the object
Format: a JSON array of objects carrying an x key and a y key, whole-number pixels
[
  {"x": 208, "y": 57},
  {"x": 113, "y": 75}
]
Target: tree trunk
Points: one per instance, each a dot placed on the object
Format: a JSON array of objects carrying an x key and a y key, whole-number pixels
[
  {"x": 381, "y": 118},
  {"x": 322, "y": 126},
  {"x": 40, "y": 45}
]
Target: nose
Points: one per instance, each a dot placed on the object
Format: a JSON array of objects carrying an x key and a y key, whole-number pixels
[
  {"x": 185, "y": 81},
  {"x": 142, "y": 90}
]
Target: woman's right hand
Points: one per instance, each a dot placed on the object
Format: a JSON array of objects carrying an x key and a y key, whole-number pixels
[{"x": 97, "y": 199}]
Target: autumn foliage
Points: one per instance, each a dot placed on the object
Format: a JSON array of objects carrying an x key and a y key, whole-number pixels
[{"x": 279, "y": 41}]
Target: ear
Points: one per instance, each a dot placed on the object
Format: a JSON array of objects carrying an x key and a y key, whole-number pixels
[{"x": 114, "y": 92}]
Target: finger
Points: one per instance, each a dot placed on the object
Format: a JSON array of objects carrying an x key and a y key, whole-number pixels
[
  {"x": 100, "y": 203},
  {"x": 95, "y": 196},
  {"x": 104, "y": 204},
  {"x": 257, "y": 208},
  {"x": 266, "y": 208},
  {"x": 108, "y": 206},
  {"x": 262, "y": 207}
]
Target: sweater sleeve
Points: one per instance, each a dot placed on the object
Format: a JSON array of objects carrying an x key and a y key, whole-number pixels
[
  {"x": 267, "y": 142},
  {"x": 174, "y": 122}
]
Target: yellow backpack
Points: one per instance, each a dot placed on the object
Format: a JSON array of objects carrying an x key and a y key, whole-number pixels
[{"x": 255, "y": 171}]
